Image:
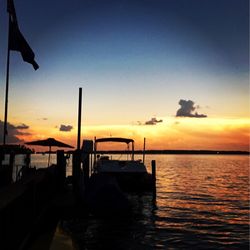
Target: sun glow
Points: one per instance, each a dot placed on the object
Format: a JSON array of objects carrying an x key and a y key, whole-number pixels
[
  {"x": 184, "y": 133},
  {"x": 172, "y": 133}
]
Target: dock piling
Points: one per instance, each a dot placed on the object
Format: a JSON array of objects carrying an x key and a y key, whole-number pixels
[
  {"x": 76, "y": 169},
  {"x": 61, "y": 168},
  {"x": 153, "y": 165},
  {"x": 79, "y": 119}
]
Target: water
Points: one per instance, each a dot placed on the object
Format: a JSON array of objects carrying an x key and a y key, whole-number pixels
[{"x": 202, "y": 203}]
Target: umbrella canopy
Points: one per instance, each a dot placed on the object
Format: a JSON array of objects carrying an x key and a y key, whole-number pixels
[{"x": 50, "y": 142}]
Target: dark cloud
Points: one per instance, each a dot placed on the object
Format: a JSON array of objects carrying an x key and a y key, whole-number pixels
[
  {"x": 13, "y": 132},
  {"x": 66, "y": 128},
  {"x": 187, "y": 109},
  {"x": 153, "y": 121},
  {"x": 22, "y": 126}
]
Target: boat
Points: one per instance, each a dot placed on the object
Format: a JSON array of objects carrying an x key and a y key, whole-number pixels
[{"x": 130, "y": 174}]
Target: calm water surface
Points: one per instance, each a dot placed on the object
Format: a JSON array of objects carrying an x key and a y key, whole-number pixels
[{"x": 202, "y": 203}]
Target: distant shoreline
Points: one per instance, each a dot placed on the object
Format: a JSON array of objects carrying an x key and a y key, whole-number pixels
[
  {"x": 167, "y": 152},
  {"x": 208, "y": 152},
  {"x": 194, "y": 152}
]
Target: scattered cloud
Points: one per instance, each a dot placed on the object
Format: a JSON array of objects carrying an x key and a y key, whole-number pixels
[
  {"x": 22, "y": 126},
  {"x": 187, "y": 109},
  {"x": 13, "y": 132},
  {"x": 43, "y": 119},
  {"x": 65, "y": 128},
  {"x": 153, "y": 121}
]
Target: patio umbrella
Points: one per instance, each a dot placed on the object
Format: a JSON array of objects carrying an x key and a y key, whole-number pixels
[{"x": 50, "y": 142}]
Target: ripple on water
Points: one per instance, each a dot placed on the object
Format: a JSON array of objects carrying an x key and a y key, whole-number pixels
[{"x": 202, "y": 203}]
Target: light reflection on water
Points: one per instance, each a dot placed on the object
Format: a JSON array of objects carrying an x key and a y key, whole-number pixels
[
  {"x": 206, "y": 198},
  {"x": 202, "y": 203}
]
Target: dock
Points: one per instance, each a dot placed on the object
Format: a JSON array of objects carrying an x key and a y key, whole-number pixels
[{"x": 32, "y": 208}]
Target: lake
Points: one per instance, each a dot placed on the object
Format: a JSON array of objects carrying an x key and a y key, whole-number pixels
[{"x": 202, "y": 203}]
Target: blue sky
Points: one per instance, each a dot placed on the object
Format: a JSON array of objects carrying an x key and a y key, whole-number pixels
[{"x": 134, "y": 59}]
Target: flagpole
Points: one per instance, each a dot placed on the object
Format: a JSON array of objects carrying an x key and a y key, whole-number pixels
[
  {"x": 16, "y": 42},
  {"x": 5, "y": 129}
]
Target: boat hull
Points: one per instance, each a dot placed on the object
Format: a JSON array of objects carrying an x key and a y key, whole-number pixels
[
  {"x": 104, "y": 196},
  {"x": 133, "y": 182}
]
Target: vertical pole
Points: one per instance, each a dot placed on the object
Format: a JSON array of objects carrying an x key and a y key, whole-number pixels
[
  {"x": 12, "y": 163},
  {"x": 79, "y": 119},
  {"x": 1, "y": 157},
  {"x": 133, "y": 151},
  {"x": 5, "y": 130},
  {"x": 95, "y": 146},
  {"x": 61, "y": 168},
  {"x": 154, "y": 179},
  {"x": 76, "y": 171},
  {"x": 49, "y": 155},
  {"x": 91, "y": 163},
  {"x": 144, "y": 146},
  {"x": 86, "y": 167}
]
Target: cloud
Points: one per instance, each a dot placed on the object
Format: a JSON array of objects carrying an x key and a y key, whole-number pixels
[
  {"x": 43, "y": 119},
  {"x": 153, "y": 121},
  {"x": 22, "y": 126},
  {"x": 13, "y": 132},
  {"x": 65, "y": 128},
  {"x": 187, "y": 107}
]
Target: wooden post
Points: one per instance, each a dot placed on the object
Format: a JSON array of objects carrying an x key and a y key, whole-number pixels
[
  {"x": 61, "y": 168},
  {"x": 144, "y": 146},
  {"x": 86, "y": 168},
  {"x": 12, "y": 163},
  {"x": 1, "y": 157},
  {"x": 79, "y": 119},
  {"x": 76, "y": 170},
  {"x": 87, "y": 149},
  {"x": 154, "y": 179}
]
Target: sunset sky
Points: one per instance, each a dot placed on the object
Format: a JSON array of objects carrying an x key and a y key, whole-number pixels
[{"x": 135, "y": 60}]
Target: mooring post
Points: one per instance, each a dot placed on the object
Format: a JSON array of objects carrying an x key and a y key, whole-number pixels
[
  {"x": 79, "y": 119},
  {"x": 76, "y": 170},
  {"x": 12, "y": 163},
  {"x": 153, "y": 165},
  {"x": 1, "y": 157},
  {"x": 86, "y": 167},
  {"x": 61, "y": 168},
  {"x": 87, "y": 149},
  {"x": 144, "y": 147}
]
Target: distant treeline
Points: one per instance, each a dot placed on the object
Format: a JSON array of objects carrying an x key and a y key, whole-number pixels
[
  {"x": 206, "y": 152},
  {"x": 166, "y": 151}
]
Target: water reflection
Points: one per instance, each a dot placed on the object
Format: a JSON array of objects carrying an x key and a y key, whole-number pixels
[
  {"x": 202, "y": 203},
  {"x": 203, "y": 195}
]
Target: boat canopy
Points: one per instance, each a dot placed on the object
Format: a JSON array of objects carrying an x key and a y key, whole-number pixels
[{"x": 114, "y": 139}]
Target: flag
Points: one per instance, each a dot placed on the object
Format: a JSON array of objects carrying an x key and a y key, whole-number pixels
[{"x": 17, "y": 41}]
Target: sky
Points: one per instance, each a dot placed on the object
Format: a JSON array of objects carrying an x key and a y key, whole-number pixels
[{"x": 173, "y": 71}]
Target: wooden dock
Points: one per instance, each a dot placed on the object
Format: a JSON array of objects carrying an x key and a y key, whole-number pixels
[
  {"x": 34, "y": 205},
  {"x": 32, "y": 208}
]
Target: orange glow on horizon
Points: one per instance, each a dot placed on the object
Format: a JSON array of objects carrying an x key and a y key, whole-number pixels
[{"x": 173, "y": 133}]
